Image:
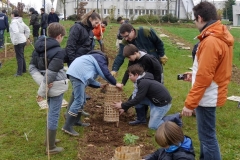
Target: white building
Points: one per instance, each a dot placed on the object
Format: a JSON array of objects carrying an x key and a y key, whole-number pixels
[{"x": 132, "y": 8}]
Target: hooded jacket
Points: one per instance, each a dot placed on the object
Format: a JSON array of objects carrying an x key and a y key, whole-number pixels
[
  {"x": 4, "y": 22},
  {"x": 146, "y": 39},
  {"x": 184, "y": 152},
  {"x": 55, "y": 73},
  {"x": 212, "y": 67},
  {"x": 44, "y": 20},
  {"x": 19, "y": 31},
  {"x": 150, "y": 88},
  {"x": 87, "y": 67},
  {"x": 97, "y": 31},
  {"x": 79, "y": 41},
  {"x": 34, "y": 21}
]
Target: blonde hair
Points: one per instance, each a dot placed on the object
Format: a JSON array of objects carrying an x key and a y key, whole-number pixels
[
  {"x": 169, "y": 133},
  {"x": 91, "y": 14}
]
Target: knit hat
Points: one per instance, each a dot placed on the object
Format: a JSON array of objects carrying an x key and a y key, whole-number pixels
[{"x": 31, "y": 10}]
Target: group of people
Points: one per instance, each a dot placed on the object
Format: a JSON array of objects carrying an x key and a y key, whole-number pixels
[
  {"x": 20, "y": 32},
  {"x": 145, "y": 51}
]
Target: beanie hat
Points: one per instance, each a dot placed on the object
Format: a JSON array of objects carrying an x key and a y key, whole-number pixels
[{"x": 31, "y": 10}]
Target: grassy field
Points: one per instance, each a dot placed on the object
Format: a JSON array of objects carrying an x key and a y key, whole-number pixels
[{"x": 20, "y": 114}]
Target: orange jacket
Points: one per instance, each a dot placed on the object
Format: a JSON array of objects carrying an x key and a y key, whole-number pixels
[
  {"x": 212, "y": 67},
  {"x": 97, "y": 31}
]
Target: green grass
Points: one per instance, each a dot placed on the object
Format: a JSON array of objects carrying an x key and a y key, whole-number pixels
[{"x": 20, "y": 113}]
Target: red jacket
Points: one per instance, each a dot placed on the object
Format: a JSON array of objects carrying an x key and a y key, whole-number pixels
[{"x": 97, "y": 31}]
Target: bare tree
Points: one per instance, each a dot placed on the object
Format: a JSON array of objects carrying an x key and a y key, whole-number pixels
[
  {"x": 81, "y": 10},
  {"x": 20, "y": 7},
  {"x": 64, "y": 8}
]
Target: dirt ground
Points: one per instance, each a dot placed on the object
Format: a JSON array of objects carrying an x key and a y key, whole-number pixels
[{"x": 9, "y": 53}]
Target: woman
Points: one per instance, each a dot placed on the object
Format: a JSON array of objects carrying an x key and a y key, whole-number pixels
[
  {"x": 80, "y": 43},
  {"x": 19, "y": 33}
]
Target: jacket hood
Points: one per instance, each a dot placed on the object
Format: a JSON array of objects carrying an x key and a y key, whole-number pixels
[
  {"x": 217, "y": 30},
  {"x": 147, "y": 76},
  {"x": 18, "y": 19},
  {"x": 186, "y": 144},
  {"x": 50, "y": 43}
]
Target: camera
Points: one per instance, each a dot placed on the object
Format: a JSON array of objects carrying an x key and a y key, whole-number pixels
[{"x": 181, "y": 76}]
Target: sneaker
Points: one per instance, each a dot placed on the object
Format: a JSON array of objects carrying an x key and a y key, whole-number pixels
[{"x": 137, "y": 122}]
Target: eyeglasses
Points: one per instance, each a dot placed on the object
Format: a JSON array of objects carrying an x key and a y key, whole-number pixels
[{"x": 126, "y": 36}]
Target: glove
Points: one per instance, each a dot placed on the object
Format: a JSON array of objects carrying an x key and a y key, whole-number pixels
[
  {"x": 114, "y": 73},
  {"x": 163, "y": 59}
]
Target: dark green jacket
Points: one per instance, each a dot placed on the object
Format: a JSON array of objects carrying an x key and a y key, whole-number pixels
[{"x": 147, "y": 40}]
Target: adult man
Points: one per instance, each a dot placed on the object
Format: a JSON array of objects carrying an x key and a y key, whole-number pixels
[
  {"x": 52, "y": 17},
  {"x": 3, "y": 25},
  {"x": 144, "y": 39},
  {"x": 211, "y": 74},
  {"x": 121, "y": 21},
  {"x": 34, "y": 21},
  {"x": 44, "y": 20}
]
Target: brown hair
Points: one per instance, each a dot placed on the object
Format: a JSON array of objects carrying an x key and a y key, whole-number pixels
[
  {"x": 169, "y": 133},
  {"x": 92, "y": 14},
  {"x": 135, "y": 69},
  {"x": 129, "y": 50},
  {"x": 206, "y": 10},
  {"x": 55, "y": 29}
]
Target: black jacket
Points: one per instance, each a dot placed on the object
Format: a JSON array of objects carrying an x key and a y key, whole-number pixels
[
  {"x": 153, "y": 90},
  {"x": 79, "y": 41},
  {"x": 4, "y": 22},
  {"x": 52, "y": 17},
  {"x": 55, "y": 57},
  {"x": 44, "y": 20},
  {"x": 35, "y": 19},
  {"x": 150, "y": 64}
]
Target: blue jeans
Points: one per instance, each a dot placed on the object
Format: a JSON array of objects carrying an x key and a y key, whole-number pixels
[
  {"x": 55, "y": 104},
  {"x": 156, "y": 113},
  {"x": 79, "y": 96},
  {"x": 206, "y": 124},
  {"x": 1, "y": 38}
]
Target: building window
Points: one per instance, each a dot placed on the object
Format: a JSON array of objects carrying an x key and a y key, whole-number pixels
[
  {"x": 147, "y": 11},
  {"x": 143, "y": 11},
  {"x": 163, "y": 12},
  {"x": 131, "y": 11},
  {"x": 136, "y": 11},
  {"x": 105, "y": 11},
  {"x": 118, "y": 11}
]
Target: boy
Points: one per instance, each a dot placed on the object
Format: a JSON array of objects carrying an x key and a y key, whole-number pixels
[
  {"x": 175, "y": 145},
  {"x": 150, "y": 64},
  {"x": 54, "y": 77},
  {"x": 147, "y": 91},
  {"x": 98, "y": 33}
]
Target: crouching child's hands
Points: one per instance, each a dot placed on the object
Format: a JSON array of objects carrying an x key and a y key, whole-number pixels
[{"x": 118, "y": 105}]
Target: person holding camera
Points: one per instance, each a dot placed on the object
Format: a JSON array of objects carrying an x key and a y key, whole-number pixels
[{"x": 212, "y": 69}]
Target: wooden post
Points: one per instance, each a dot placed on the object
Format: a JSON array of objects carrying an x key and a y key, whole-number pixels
[{"x": 5, "y": 45}]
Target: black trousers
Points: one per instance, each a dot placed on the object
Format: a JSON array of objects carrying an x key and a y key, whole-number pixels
[
  {"x": 36, "y": 30},
  {"x": 21, "y": 64},
  {"x": 43, "y": 31}
]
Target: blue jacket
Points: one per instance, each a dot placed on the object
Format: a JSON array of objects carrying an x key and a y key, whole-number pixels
[
  {"x": 87, "y": 67},
  {"x": 184, "y": 152},
  {"x": 147, "y": 40},
  {"x": 4, "y": 22}
]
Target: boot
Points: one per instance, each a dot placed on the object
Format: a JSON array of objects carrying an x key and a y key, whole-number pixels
[
  {"x": 68, "y": 126},
  {"x": 78, "y": 121},
  {"x": 68, "y": 106},
  {"x": 86, "y": 114},
  {"x": 141, "y": 117},
  {"x": 53, "y": 149},
  {"x": 176, "y": 118}
]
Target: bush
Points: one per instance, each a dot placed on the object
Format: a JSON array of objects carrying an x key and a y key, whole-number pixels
[
  {"x": 169, "y": 18},
  {"x": 72, "y": 17},
  {"x": 147, "y": 18}
]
